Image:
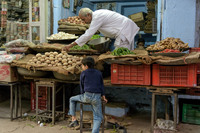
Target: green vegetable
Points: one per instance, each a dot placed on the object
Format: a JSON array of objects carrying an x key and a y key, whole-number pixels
[
  {"x": 95, "y": 37},
  {"x": 121, "y": 51},
  {"x": 77, "y": 47}
]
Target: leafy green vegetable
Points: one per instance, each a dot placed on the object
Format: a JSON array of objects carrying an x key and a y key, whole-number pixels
[
  {"x": 121, "y": 51},
  {"x": 95, "y": 37},
  {"x": 77, "y": 47}
]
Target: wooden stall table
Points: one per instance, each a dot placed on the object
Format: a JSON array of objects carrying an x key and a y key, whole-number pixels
[
  {"x": 14, "y": 88},
  {"x": 166, "y": 91},
  {"x": 50, "y": 113}
]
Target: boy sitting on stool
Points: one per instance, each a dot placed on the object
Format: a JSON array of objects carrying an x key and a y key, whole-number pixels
[{"x": 92, "y": 89}]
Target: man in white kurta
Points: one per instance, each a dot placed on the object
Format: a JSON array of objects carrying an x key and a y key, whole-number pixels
[{"x": 111, "y": 24}]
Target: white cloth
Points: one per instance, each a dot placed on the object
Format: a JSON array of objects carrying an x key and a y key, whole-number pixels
[{"x": 113, "y": 25}]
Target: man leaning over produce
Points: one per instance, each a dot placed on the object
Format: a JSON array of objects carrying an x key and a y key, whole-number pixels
[{"x": 111, "y": 24}]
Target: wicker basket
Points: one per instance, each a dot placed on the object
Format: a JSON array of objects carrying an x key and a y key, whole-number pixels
[
  {"x": 25, "y": 72},
  {"x": 66, "y": 77}
]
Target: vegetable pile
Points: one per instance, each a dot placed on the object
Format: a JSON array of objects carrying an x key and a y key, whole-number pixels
[
  {"x": 169, "y": 43},
  {"x": 121, "y": 51},
  {"x": 169, "y": 51},
  {"x": 77, "y": 47},
  {"x": 54, "y": 59}
]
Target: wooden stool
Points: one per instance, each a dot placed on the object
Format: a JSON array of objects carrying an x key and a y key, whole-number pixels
[{"x": 81, "y": 115}]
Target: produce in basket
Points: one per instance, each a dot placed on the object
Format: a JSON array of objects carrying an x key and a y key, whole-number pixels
[
  {"x": 168, "y": 43},
  {"x": 62, "y": 36},
  {"x": 121, "y": 51},
  {"x": 169, "y": 51},
  {"x": 55, "y": 59},
  {"x": 77, "y": 47}
]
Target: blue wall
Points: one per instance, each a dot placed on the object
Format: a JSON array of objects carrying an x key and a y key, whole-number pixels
[{"x": 179, "y": 20}]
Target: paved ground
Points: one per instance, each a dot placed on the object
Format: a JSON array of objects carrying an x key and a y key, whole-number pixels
[{"x": 136, "y": 123}]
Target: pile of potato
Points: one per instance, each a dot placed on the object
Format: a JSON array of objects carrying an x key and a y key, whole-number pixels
[
  {"x": 55, "y": 59},
  {"x": 73, "y": 20},
  {"x": 169, "y": 43}
]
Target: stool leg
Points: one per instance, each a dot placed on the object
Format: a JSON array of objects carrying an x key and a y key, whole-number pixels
[
  {"x": 53, "y": 105},
  {"x": 153, "y": 112},
  {"x": 36, "y": 102},
  {"x": 175, "y": 109},
  {"x": 81, "y": 117},
  {"x": 16, "y": 102},
  {"x": 11, "y": 102},
  {"x": 103, "y": 112},
  {"x": 63, "y": 102},
  {"x": 20, "y": 100}
]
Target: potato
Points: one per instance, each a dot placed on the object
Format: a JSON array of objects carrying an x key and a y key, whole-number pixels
[
  {"x": 52, "y": 62},
  {"x": 35, "y": 60},
  {"x": 45, "y": 64},
  {"x": 51, "y": 52},
  {"x": 59, "y": 64},
  {"x": 64, "y": 60},
  {"x": 51, "y": 55},
  {"x": 56, "y": 61},
  {"x": 38, "y": 55},
  {"x": 73, "y": 64},
  {"x": 60, "y": 59},
  {"x": 70, "y": 62},
  {"x": 39, "y": 58},
  {"x": 46, "y": 58},
  {"x": 43, "y": 56},
  {"x": 49, "y": 65},
  {"x": 48, "y": 61},
  {"x": 64, "y": 56},
  {"x": 65, "y": 64},
  {"x": 38, "y": 62},
  {"x": 51, "y": 58},
  {"x": 55, "y": 53},
  {"x": 74, "y": 60},
  {"x": 60, "y": 55},
  {"x": 47, "y": 53}
]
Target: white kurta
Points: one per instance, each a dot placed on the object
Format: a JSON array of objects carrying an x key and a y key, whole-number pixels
[{"x": 113, "y": 25}]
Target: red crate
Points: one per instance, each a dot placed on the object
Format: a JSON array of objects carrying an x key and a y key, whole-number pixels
[
  {"x": 185, "y": 76},
  {"x": 131, "y": 74},
  {"x": 196, "y": 50},
  {"x": 42, "y": 97}
]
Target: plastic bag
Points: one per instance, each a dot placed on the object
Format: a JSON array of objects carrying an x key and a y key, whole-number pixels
[
  {"x": 10, "y": 58},
  {"x": 19, "y": 43}
]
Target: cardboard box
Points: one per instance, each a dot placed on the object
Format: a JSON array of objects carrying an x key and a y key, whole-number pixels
[
  {"x": 8, "y": 73},
  {"x": 137, "y": 17}
]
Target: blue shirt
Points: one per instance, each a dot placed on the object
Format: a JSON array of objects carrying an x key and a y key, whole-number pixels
[{"x": 91, "y": 80}]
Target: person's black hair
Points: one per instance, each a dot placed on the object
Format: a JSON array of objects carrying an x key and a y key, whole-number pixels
[
  {"x": 140, "y": 40},
  {"x": 89, "y": 61}
]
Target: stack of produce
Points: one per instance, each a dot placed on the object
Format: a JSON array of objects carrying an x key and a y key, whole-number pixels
[
  {"x": 169, "y": 43},
  {"x": 121, "y": 51},
  {"x": 72, "y": 24},
  {"x": 62, "y": 36},
  {"x": 55, "y": 59},
  {"x": 150, "y": 17}
]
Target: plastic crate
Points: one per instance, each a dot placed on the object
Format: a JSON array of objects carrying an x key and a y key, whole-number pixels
[
  {"x": 183, "y": 76},
  {"x": 196, "y": 50},
  {"x": 131, "y": 74},
  {"x": 42, "y": 97},
  {"x": 191, "y": 113}
]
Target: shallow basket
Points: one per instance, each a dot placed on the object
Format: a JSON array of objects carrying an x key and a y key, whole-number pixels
[
  {"x": 26, "y": 72},
  {"x": 72, "y": 77}
]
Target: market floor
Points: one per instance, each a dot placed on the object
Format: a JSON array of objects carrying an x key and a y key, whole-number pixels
[
  {"x": 140, "y": 124},
  {"x": 134, "y": 123}
]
